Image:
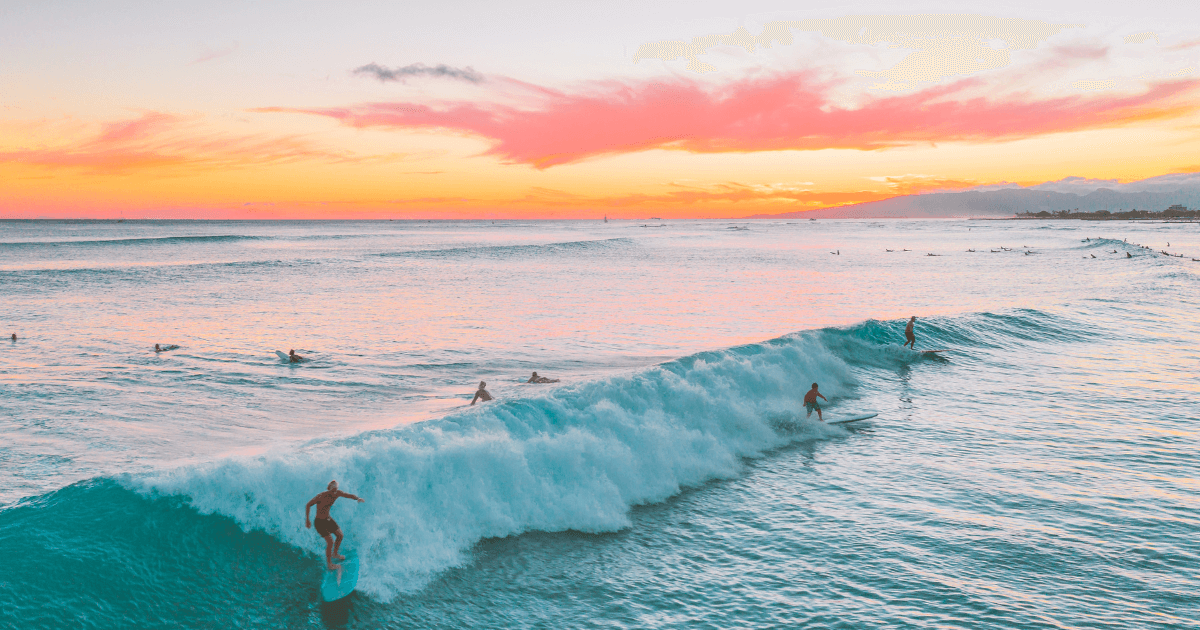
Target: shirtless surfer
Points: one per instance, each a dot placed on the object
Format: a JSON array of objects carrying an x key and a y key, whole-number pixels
[
  {"x": 908, "y": 334},
  {"x": 482, "y": 394},
  {"x": 293, "y": 357},
  {"x": 326, "y": 526},
  {"x": 541, "y": 379},
  {"x": 811, "y": 405}
]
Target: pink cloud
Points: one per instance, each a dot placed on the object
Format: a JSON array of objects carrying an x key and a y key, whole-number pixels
[
  {"x": 1185, "y": 45},
  {"x": 783, "y": 112},
  {"x": 157, "y": 140}
]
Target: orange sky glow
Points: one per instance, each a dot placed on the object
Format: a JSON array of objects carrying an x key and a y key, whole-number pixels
[{"x": 791, "y": 119}]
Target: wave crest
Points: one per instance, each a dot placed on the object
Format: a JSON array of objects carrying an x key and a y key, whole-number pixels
[{"x": 574, "y": 458}]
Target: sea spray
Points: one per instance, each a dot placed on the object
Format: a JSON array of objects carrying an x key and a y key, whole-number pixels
[{"x": 573, "y": 458}]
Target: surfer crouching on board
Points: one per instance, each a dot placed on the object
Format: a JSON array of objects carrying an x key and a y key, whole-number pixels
[
  {"x": 482, "y": 394},
  {"x": 326, "y": 526},
  {"x": 908, "y": 334},
  {"x": 810, "y": 403}
]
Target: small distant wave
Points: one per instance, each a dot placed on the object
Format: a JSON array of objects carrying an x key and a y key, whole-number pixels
[
  {"x": 509, "y": 251},
  {"x": 1106, "y": 243},
  {"x": 118, "y": 242},
  {"x": 63, "y": 274}
]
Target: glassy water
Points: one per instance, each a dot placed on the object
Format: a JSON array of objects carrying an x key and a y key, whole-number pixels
[{"x": 1041, "y": 473}]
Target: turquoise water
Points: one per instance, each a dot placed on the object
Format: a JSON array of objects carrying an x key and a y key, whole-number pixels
[{"x": 1039, "y": 474}]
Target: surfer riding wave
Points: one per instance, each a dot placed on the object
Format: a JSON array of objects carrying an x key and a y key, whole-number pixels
[{"x": 326, "y": 526}]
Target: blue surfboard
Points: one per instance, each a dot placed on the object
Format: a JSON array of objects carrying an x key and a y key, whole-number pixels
[{"x": 339, "y": 584}]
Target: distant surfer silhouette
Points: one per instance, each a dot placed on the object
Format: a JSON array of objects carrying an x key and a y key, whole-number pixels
[
  {"x": 540, "y": 379},
  {"x": 293, "y": 357},
  {"x": 811, "y": 404},
  {"x": 482, "y": 393},
  {"x": 908, "y": 334},
  {"x": 14, "y": 337},
  {"x": 326, "y": 526}
]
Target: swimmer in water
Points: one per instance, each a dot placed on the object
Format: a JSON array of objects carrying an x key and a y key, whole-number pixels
[
  {"x": 293, "y": 357},
  {"x": 14, "y": 337},
  {"x": 541, "y": 379},
  {"x": 482, "y": 393}
]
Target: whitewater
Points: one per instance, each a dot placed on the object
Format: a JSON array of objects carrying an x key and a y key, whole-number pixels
[{"x": 1041, "y": 473}]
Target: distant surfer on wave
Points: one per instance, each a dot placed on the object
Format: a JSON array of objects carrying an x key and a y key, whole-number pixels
[
  {"x": 326, "y": 526},
  {"x": 908, "y": 334},
  {"x": 540, "y": 379},
  {"x": 811, "y": 405},
  {"x": 482, "y": 393}
]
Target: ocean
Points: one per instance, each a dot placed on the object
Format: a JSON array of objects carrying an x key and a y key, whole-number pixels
[{"x": 1039, "y": 473}]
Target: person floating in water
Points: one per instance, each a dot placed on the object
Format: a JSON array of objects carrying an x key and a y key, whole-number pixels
[
  {"x": 14, "y": 337},
  {"x": 811, "y": 405},
  {"x": 908, "y": 334},
  {"x": 293, "y": 357},
  {"x": 326, "y": 526},
  {"x": 541, "y": 379},
  {"x": 482, "y": 394},
  {"x": 156, "y": 348}
]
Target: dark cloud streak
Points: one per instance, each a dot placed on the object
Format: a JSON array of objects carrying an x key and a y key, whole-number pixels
[{"x": 420, "y": 70}]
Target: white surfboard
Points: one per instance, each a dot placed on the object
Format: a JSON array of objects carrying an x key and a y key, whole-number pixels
[
  {"x": 864, "y": 416},
  {"x": 282, "y": 355}
]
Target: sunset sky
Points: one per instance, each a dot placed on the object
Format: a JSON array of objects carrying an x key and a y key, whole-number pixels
[{"x": 576, "y": 109}]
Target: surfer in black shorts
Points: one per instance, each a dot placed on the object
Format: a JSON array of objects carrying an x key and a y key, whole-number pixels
[
  {"x": 326, "y": 526},
  {"x": 908, "y": 334},
  {"x": 810, "y": 403}
]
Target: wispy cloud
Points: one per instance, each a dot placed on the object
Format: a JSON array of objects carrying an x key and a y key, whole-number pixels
[
  {"x": 1185, "y": 45},
  {"x": 792, "y": 111},
  {"x": 161, "y": 141},
  {"x": 910, "y": 184},
  {"x": 215, "y": 53},
  {"x": 420, "y": 70}
]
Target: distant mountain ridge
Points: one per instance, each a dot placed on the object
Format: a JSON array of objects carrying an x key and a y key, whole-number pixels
[{"x": 1155, "y": 194}]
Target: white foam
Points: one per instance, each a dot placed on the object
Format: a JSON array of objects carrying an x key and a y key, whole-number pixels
[{"x": 575, "y": 458}]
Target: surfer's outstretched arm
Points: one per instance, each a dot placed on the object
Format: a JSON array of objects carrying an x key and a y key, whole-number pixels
[{"x": 347, "y": 495}]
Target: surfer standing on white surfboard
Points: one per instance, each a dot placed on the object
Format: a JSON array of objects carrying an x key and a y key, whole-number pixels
[
  {"x": 908, "y": 334},
  {"x": 810, "y": 403},
  {"x": 326, "y": 526}
]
